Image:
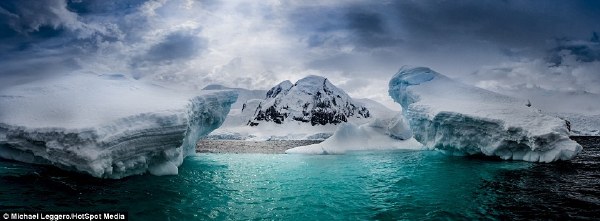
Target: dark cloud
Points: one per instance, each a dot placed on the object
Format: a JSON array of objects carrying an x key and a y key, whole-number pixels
[
  {"x": 91, "y": 7},
  {"x": 583, "y": 51},
  {"x": 507, "y": 23},
  {"x": 509, "y": 43},
  {"x": 337, "y": 27},
  {"x": 371, "y": 29},
  {"x": 28, "y": 16},
  {"x": 365, "y": 23},
  {"x": 175, "y": 46},
  {"x": 25, "y": 23},
  {"x": 312, "y": 21},
  {"x": 429, "y": 23}
]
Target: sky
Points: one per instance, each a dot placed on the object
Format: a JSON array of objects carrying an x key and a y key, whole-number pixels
[{"x": 544, "y": 51}]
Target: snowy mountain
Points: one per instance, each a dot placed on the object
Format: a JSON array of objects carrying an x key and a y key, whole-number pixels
[{"x": 312, "y": 99}]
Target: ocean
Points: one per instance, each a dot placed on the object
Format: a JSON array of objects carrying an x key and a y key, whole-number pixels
[{"x": 394, "y": 185}]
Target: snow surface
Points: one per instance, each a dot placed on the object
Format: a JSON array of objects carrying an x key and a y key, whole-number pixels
[
  {"x": 108, "y": 126},
  {"x": 376, "y": 109},
  {"x": 379, "y": 134},
  {"x": 460, "y": 119}
]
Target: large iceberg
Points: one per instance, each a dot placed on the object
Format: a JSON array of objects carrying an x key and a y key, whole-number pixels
[
  {"x": 459, "y": 119},
  {"x": 108, "y": 126}
]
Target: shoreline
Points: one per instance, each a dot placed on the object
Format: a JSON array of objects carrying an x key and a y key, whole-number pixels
[
  {"x": 280, "y": 146},
  {"x": 243, "y": 146}
]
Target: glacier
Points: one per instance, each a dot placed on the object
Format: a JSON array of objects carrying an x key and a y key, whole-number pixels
[
  {"x": 107, "y": 126},
  {"x": 460, "y": 119}
]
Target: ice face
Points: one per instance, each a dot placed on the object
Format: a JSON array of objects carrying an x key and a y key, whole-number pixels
[
  {"x": 106, "y": 127},
  {"x": 459, "y": 119}
]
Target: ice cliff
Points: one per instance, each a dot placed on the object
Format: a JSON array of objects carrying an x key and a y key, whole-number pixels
[
  {"x": 459, "y": 119},
  {"x": 108, "y": 126}
]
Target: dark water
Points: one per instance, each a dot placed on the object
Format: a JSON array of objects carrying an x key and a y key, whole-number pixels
[{"x": 368, "y": 185}]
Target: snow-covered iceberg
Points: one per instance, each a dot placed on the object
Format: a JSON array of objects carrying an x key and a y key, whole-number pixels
[
  {"x": 108, "y": 126},
  {"x": 460, "y": 119},
  {"x": 379, "y": 134}
]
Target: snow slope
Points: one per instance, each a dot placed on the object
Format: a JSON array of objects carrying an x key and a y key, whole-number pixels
[
  {"x": 376, "y": 109},
  {"x": 108, "y": 126},
  {"x": 463, "y": 120}
]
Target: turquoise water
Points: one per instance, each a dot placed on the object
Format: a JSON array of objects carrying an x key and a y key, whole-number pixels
[{"x": 411, "y": 185}]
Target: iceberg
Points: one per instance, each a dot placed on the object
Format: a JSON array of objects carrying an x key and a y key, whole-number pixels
[
  {"x": 379, "y": 134},
  {"x": 460, "y": 119},
  {"x": 107, "y": 126}
]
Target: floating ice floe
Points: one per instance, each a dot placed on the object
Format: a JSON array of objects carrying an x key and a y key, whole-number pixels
[{"x": 379, "y": 134}]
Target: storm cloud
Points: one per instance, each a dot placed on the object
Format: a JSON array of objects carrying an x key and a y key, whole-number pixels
[{"x": 525, "y": 48}]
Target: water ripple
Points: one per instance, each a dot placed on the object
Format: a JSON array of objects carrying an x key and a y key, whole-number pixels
[{"x": 401, "y": 185}]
